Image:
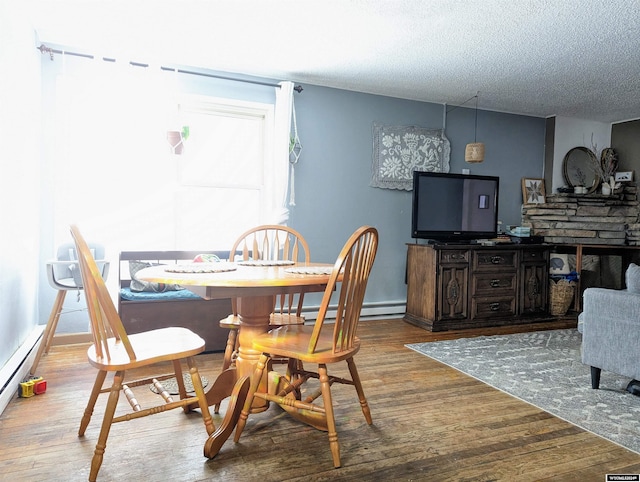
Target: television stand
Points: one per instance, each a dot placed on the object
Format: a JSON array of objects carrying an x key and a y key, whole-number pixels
[
  {"x": 452, "y": 242},
  {"x": 457, "y": 286}
]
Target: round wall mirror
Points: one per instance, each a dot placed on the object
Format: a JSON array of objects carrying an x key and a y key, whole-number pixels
[{"x": 578, "y": 168}]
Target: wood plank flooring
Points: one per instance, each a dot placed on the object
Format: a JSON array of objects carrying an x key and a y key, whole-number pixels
[{"x": 430, "y": 423}]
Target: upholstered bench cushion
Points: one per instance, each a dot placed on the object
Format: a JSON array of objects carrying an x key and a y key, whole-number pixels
[{"x": 127, "y": 294}]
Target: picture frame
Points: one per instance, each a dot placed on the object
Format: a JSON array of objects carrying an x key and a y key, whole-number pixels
[
  {"x": 559, "y": 264},
  {"x": 533, "y": 191},
  {"x": 623, "y": 176}
]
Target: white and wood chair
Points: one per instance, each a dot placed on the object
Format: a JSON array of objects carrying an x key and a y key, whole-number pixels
[
  {"x": 63, "y": 275},
  {"x": 114, "y": 351},
  {"x": 321, "y": 344}
]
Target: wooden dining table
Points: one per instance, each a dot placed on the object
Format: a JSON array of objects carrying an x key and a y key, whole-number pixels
[{"x": 254, "y": 284}]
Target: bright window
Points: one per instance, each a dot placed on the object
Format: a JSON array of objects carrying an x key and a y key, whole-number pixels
[
  {"x": 115, "y": 175},
  {"x": 225, "y": 164}
]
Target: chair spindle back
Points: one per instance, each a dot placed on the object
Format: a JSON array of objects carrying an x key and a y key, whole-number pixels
[
  {"x": 273, "y": 242},
  {"x": 105, "y": 321},
  {"x": 354, "y": 263}
]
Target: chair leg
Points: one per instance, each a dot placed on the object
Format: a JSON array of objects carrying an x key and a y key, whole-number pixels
[
  {"x": 294, "y": 367},
  {"x": 202, "y": 398},
  {"x": 358, "y": 384},
  {"x": 49, "y": 330},
  {"x": 182, "y": 390},
  {"x": 255, "y": 383},
  {"x": 109, "y": 412},
  {"x": 595, "y": 377},
  {"x": 230, "y": 348},
  {"x": 88, "y": 412},
  {"x": 328, "y": 409}
]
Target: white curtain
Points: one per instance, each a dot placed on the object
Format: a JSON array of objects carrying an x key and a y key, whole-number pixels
[
  {"x": 282, "y": 136},
  {"x": 111, "y": 149}
]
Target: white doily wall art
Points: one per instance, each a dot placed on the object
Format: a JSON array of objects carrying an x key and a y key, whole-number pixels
[{"x": 400, "y": 150}]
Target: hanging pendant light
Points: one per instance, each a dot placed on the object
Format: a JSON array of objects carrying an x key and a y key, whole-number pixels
[{"x": 474, "y": 152}]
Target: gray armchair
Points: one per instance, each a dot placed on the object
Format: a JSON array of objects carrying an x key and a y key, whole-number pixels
[{"x": 610, "y": 326}]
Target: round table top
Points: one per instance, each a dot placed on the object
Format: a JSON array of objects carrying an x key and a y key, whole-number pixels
[{"x": 238, "y": 275}]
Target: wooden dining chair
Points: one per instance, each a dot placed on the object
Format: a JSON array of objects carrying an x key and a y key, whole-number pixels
[
  {"x": 266, "y": 243},
  {"x": 114, "y": 351},
  {"x": 321, "y": 344}
]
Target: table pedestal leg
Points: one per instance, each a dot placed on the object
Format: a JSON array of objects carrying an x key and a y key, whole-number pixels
[{"x": 254, "y": 315}]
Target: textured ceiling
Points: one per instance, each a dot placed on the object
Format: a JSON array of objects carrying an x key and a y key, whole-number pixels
[{"x": 573, "y": 58}]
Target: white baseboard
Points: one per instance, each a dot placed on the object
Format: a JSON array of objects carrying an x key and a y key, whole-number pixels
[{"x": 18, "y": 366}]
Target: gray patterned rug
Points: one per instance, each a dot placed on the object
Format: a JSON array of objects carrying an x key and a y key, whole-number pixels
[{"x": 544, "y": 369}]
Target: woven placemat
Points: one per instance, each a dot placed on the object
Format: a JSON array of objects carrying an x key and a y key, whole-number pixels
[
  {"x": 201, "y": 268},
  {"x": 171, "y": 384},
  {"x": 266, "y": 262},
  {"x": 311, "y": 270}
]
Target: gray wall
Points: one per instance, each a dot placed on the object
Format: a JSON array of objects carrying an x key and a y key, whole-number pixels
[{"x": 333, "y": 196}]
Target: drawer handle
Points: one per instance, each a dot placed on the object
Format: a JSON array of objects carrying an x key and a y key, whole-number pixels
[
  {"x": 494, "y": 283},
  {"x": 496, "y": 259},
  {"x": 494, "y": 306}
]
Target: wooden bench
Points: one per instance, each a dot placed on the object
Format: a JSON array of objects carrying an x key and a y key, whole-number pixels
[{"x": 142, "y": 311}]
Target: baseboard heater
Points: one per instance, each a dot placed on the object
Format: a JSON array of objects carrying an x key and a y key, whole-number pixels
[
  {"x": 17, "y": 367},
  {"x": 382, "y": 309}
]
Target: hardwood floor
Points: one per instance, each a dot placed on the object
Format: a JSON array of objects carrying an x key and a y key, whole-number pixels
[{"x": 430, "y": 423}]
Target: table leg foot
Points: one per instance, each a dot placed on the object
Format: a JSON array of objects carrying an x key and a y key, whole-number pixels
[
  {"x": 217, "y": 439},
  {"x": 222, "y": 387}
]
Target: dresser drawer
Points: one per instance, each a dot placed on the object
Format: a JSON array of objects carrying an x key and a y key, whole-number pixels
[
  {"x": 488, "y": 284},
  {"x": 534, "y": 255},
  {"x": 451, "y": 256},
  {"x": 494, "y": 260},
  {"x": 490, "y": 307}
]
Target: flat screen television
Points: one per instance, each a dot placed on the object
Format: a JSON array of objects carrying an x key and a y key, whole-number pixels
[{"x": 454, "y": 207}]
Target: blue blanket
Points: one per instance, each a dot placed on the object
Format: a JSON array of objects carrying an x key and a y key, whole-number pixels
[{"x": 127, "y": 294}]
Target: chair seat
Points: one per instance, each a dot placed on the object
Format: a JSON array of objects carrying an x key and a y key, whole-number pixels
[
  {"x": 282, "y": 319},
  {"x": 66, "y": 284},
  {"x": 293, "y": 342},
  {"x": 152, "y": 346},
  {"x": 232, "y": 322}
]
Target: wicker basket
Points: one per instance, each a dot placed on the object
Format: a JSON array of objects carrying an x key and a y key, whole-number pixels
[{"x": 561, "y": 295}]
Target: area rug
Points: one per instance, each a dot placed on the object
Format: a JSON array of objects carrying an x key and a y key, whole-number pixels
[
  {"x": 171, "y": 384},
  {"x": 544, "y": 369}
]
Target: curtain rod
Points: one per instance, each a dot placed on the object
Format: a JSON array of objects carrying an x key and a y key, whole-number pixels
[{"x": 43, "y": 48}]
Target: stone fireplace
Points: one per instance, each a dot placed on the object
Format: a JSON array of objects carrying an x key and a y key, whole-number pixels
[{"x": 586, "y": 218}]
